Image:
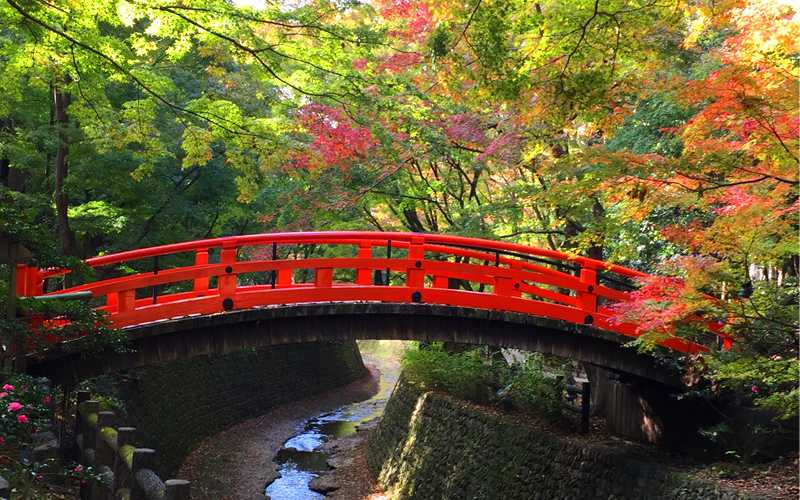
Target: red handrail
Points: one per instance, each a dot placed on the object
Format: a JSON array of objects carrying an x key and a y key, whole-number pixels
[{"x": 510, "y": 277}]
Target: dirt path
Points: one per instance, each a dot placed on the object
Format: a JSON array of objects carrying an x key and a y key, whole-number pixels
[{"x": 237, "y": 464}]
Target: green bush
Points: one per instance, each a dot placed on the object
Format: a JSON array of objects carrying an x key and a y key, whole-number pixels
[
  {"x": 532, "y": 390},
  {"x": 464, "y": 375},
  {"x": 469, "y": 375}
]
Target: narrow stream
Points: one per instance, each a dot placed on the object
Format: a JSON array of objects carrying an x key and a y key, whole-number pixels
[{"x": 300, "y": 460}]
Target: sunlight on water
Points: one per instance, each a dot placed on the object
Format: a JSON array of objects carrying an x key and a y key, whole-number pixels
[
  {"x": 300, "y": 463},
  {"x": 293, "y": 485}
]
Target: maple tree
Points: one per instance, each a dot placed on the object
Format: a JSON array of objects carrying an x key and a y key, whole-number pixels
[{"x": 625, "y": 131}]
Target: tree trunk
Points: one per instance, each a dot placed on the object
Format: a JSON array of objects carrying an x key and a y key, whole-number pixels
[
  {"x": 596, "y": 250},
  {"x": 12, "y": 178},
  {"x": 68, "y": 244}
]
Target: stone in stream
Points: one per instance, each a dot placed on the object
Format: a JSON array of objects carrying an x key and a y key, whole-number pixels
[
  {"x": 272, "y": 475},
  {"x": 338, "y": 462},
  {"x": 323, "y": 484}
]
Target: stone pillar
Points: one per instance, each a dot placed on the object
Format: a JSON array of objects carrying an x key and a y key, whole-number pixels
[
  {"x": 126, "y": 436},
  {"x": 601, "y": 381},
  {"x": 89, "y": 432},
  {"x": 103, "y": 452},
  {"x": 143, "y": 458},
  {"x": 80, "y": 426},
  {"x": 176, "y": 489}
]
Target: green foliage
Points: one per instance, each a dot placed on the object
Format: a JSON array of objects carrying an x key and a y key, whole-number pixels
[
  {"x": 650, "y": 128},
  {"x": 771, "y": 382},
  {"x": 465, "y": 375},
  {"x": 29, "y": 220},
  {"x": 468, "y": 375},
  {"x": 531, "y": 389},
  {"x": 715, "y": 433}
]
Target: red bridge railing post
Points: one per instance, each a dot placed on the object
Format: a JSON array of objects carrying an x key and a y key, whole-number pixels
[
  {"x": 588, "y": 298},
  {"x": 364, "y": 274},
  {"x": 227, "y": 281},
  {"x": 26, "y": 280},
  {"x": 284, "y": 276},
  {"x": 126, "y": 301},
  {"x": 201, "y": 259},
  {"x": 508, "y": 287},
  {"x": 503, "y": 286},
  {"x": 415, "y": 276},
  {"x": 112, "y": 303},
  {"x": 323, "y": 277}
]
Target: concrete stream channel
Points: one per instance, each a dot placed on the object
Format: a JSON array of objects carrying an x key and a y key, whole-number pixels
[
  {"x": 305, "y": 460},
  {"x": 241, "y": 462}
]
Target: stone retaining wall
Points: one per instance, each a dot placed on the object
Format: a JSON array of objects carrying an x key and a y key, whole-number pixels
[
  {"x": 176, "y": 405},
  {"x": 427, "y": 448}
]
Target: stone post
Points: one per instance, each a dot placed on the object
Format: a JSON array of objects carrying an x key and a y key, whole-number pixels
[
  {"x": 104, "y": 457},
  {"x": 126, "y": 436},
  {"x": 103, "y": 452},
  {"x": 89, "y": 432},
  {"x": 176, "y": 489},
  {"x": 80, "y": 426},
  {"x": 143, "y": 458}
]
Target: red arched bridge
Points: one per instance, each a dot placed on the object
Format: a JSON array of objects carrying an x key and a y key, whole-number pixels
[{"x": 202, "y": 278}]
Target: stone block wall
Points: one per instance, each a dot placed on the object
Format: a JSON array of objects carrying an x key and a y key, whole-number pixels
[
  {"x": 176, "y": 405},
  {"x": 427, "y": 447}
]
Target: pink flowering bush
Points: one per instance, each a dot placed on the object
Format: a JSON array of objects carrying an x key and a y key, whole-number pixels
[{"x": 24, "y": 410}]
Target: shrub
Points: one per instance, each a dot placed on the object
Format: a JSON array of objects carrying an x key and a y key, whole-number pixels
[
  {"x": 470, "y": 376},
  {"x": 24, "y": 409},
  {"x": 465, "y": 375},
  {"x": 534, "y": 391}
]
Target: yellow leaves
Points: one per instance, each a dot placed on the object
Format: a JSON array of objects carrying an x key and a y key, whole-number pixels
[
  {"x": 127, "y": 13},
  {"x": 767, "y": 28},
  {"x": 215, "y": 70},
  {"x": 197, "y": 145},
  {"x": 704, "y": 15}
]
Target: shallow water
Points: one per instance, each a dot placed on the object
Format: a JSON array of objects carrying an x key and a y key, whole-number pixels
[{"x": 299, "y": 461}]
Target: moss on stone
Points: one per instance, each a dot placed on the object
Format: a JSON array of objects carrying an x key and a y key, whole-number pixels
[
  {"x": 430, "y": 447},
  {"x": 109, "y": 435},
  {"x": 126, "y": 451}
]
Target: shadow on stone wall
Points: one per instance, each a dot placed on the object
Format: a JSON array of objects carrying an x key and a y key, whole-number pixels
[
  {"x": 428, "y": 448},
  {"x": 177, "y": 404}
]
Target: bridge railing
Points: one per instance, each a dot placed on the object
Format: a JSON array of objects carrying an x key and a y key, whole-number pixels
[{"x": 251, "y": 271}]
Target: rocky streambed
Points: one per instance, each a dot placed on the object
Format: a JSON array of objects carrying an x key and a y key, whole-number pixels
[
  {"x": 240, "y": 463},
  {"x": 306, "y": 460}
]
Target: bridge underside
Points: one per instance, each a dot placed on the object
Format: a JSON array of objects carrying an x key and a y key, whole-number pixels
[{"x": 228, "y": 332}]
